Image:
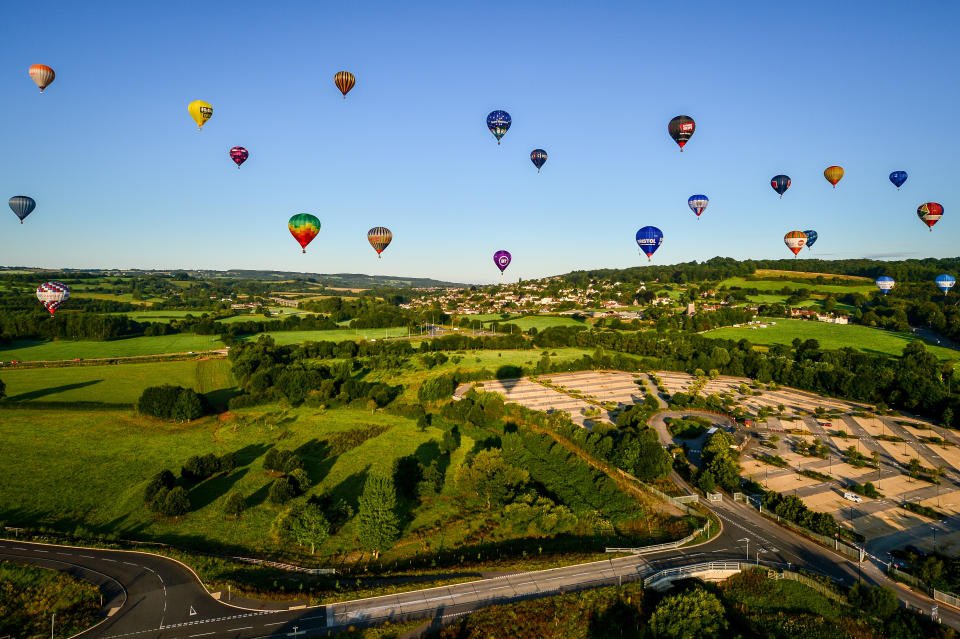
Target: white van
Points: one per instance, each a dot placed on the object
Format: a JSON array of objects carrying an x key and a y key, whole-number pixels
[{"x": 853, "y": 497}]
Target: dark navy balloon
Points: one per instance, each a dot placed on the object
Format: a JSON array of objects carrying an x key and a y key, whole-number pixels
[
  {"x": 811, "y": 237},
  {"x": 898, "y": 178},
  {"x": 22, "y": 206},
  {"x": 499, "y": 123},
  {"x": 780, "y": 184},
  {"x": 539, "y": 158},
  {"x": 649, "y": 239}
]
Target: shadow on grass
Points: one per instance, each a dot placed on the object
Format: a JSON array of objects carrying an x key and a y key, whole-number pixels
[
  {"x": 219, "y": 399},
  {"x": 53, "y": 390},
  {"x": 207, "y": 492}
]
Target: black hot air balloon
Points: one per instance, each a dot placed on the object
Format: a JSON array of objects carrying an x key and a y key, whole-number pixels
[
  {"x": 539, "y": 158},
  {"x": 680, "y": 129}
]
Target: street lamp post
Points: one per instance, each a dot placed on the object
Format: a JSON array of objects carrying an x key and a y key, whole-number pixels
[
  {"x": 747, "y": 552},
  {"x": 52, "y": 620}
]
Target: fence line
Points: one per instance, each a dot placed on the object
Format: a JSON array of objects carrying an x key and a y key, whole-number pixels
[
  {"x": 946, "y": 597},
  {"x": 823, "y": 589}
]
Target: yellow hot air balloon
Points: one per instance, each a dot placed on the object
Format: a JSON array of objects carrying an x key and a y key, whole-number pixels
[
  {"x": 200, "y": 111},
  {"x": 833, "y": 174}
]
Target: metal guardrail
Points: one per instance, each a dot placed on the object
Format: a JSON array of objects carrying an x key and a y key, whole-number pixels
[
  {"x": 288, "y": 567},
  {"x": 670, "y": 545}
]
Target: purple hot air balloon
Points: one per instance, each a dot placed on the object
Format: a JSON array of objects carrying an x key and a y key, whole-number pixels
[{"x": 502, "y": 260}]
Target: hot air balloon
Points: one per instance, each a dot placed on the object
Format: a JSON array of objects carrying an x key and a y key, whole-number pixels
[
  {"x": 885, "y": 283},
  {"x": 898, "y": 178},
  {"x": 649, "y": 239},
  {"x": 795, "y": 240},
  {"x": 304, "y": 227},
  {"x": 539, "y": 158},
  {"x": 344, "y": 81},
  {"x": 780, "y": 184},
  {"x": 499, "y": 123},
  {"x": 680, "y": 129},
  {"x": 200, "y": 111},
  {"x": 945, "y": 282},
  {"x": 42, "y": 75},
  {"x": 52, "y": 295},
  {"x": 930, "y": 213},
  {"x": 379, "y": 238},
  {"x": 698, "y": 204},
  {"x": 833, "y": 174},
  {"x": 239, "y": 155},
  {"x": 811, "y": 237},
  {"x": 502, "y": 260},
  {"x": 22, "y": 206}
]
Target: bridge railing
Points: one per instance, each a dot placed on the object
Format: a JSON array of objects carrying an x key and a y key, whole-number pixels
[{"x": 670, "y": 545}]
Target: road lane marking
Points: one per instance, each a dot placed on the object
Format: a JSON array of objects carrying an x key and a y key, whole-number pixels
[
  {"x": 87, "y": 556},
  {"x": 202, "y": 634},
  {"x": 237, "y": 629},
  {"x": 276, "y": 623}
]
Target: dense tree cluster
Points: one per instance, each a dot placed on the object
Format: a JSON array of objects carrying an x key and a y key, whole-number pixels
[
  {"x": 792, "y": 508},
  {"x": 200, "y": 467},
  {"x": 171, "y": 402}
]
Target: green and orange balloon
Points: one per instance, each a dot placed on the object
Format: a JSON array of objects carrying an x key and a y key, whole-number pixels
[{"x": 304, "y": 227}]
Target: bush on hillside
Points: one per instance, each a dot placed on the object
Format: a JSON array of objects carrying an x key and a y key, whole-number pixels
[{"x": 171, "y": 402}]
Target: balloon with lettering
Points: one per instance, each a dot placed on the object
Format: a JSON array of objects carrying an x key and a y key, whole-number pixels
[
  {"x": 885, "y": 283},
  {"x": 502, "y": 260},
  {"x": 52, "y": 295},
  {"x": 649, "y": 239},
  {"x": 239, "y": 155},
  {"x": 698, "y": 204},
  {"x": 539, "y": 158},
  {"x": 833, "y": 174},
  {"x": 344, "y": 81},
  {"x": 681, "y": 128},
  {"x": 795, "y": 240},
  {"x": 304, "y": 227},
  {"x": 200, "y": 111},
  {"x": 945, "y": 282},
  {"x": 780, "y": 184},
  {"x": 930, "y": 213},
  {"x": 379, "y": 238},
  {"x": 811, "y": 238},
  {"x": 42, "y": 75},
  {"x": 22, "y": 206},
  {"x": 499, "y": 123},
  {"x": 898, "y": 178}
]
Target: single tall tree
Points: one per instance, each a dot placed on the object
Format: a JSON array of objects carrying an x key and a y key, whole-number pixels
[
  {"x": 378, "y": 526},
  {"x": 310, "y": 526}
]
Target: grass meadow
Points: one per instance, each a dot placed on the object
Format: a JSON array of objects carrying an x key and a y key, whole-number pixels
[
  {"x": 27, "y": 351},
  {"x": 541, "y": 322},
  {"x": 830, "y": 336},
  {"x": 333, "y": 335},
  {"x": 776, "y": 285}
]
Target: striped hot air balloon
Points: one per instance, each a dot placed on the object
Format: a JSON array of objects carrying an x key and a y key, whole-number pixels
[
  {"x": 930, "y": 213},
  {"x": 885, "y": 283},
  {"x": 22, "y": 206},
  {"x": 795, "y": 240},
  {"x": 304, "y": 227},
  {"x": 52, "y": 295},
  {"x": 42, "y": 75},
  {"x": 239, "y": 155},
  {"x": 698, "y": 204},
  {"x": 344, "y": 81},
  {"x": 833, "y": 174},
  {"x": 379, "y": 238},
  {"x": 945, "y": 283}
]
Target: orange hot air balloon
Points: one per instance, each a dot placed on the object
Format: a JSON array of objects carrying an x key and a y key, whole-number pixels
[
  {"x": 42, "y": 75},
  {"x": 833, "y": 174},
  {"x": 795, "y": 240},
  {"x": 344, "y": 81}
]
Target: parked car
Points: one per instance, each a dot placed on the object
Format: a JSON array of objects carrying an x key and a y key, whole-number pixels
[{"x": 853, "y": 497}]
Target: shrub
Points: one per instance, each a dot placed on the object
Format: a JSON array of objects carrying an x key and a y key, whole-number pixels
[
  {"x": 176, "y": 503},
  {"x": 235, "y": 505},
  {"x": 282, "y": 490},
  {"x": 162, "y": 481},
  {"x": 171, "y": 402}
]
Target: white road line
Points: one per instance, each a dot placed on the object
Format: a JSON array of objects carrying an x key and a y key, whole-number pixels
[
  {"x": 202, "y": 634},
  {"x": 276, "y": 623},
  {"x": 87, "y": 556},
  {"x": 130, "y": 564},
  {"x": 236, "y": 629}
]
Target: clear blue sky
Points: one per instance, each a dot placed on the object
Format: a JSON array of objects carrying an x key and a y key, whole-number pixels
[{"x": 123, "y": 178}]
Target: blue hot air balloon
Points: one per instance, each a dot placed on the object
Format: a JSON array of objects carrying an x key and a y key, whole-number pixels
[
  {"x": 22, "y": 206},
  {"x": 885, "y": 283},
  {"x": 898, "y": 178},
  {"x": 649, "y": 239},
  {"x": 811, "y": 237},
  {"x": 539, "y": 158},
  {"x": 499, "y": 123},
  {"x": 698, "y": 204},
  {"x": 945, "y": 282},
  {"x": 780, "y": 184}
]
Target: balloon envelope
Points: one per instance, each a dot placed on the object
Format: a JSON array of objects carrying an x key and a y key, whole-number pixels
[
  {"x": 681, "y": 128},
  {"x": 344, "y": 81},
  {"x": 304, "y": 227},
  {"x": 795, "y": 240},
  {"x": 811, "y": 238},
  {"x": 379, "y": 238},
  {"x": 22, "y": 206},
  {"x": 42, "y": 75},
  {"x": 945, "y": 282},
  {"x": 649, "y": 239},
  {"x": 780, "y": 183},
  {"x": 52, "y": 295},
  {"x": 898, "y": 178},
  {"x": 239, "y": 155},
  {"x": 539, "y": 158},
  {"x": 930, "y": 213},
  {"x": 698, "y": 203},
  {"x": 502, "y": 260},
  {"x": 833, "y": 174},
  {"x": 499, "y": 123},
  {"x": 885, "y": 283},
  {"x": 200, "y": 111}
]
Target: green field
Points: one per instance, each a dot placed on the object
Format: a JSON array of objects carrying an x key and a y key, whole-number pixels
[
  {"x": 334, "y": 335},
  {"x": 27, "y": 351},
  {"x": 813, "y": 287},
  {"x": 114, "y": 384},
  {"x": 541, "y": 322},
  {"x": 830, "y": 336}
]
